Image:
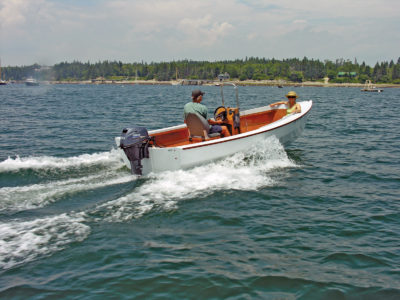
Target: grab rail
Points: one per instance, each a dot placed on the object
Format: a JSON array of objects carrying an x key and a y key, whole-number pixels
[{"x": 236, "y": 92}]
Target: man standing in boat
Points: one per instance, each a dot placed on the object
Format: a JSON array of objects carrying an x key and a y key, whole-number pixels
[
  {"x": 196, "y": 107},
  {"x": 293, "y": 107}
]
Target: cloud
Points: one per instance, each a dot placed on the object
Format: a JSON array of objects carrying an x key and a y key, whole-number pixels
[
  {"x": 203, "y": 31},
  {"x": 12, "y": 13},
  {"x": 315, "y": 8},
  {"x": 154, "y": 30},
  {"x": 252, "y": 36},
  {"x": 299, "y": 21}
]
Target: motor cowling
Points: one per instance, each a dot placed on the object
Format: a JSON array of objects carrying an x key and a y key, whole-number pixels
[{"x": 135, "y": 143}]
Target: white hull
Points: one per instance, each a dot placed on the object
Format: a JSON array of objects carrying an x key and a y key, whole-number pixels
[
  {"x": 286, "y": 130},
  {"x": 31, "y": 82}
]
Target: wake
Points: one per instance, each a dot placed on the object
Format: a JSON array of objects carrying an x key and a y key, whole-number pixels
[
  {"x": 49, "y": 162},
  {"x": 25, "y": 240},
  {"x": 105, "y": 173},
  {"x": 247, "y": 171}
]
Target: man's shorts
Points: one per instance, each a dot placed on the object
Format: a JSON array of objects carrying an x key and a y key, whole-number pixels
[{"x": 215, "y": 129}]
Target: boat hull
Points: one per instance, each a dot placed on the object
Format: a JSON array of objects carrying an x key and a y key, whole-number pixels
[
  {"x": 372, "y": 90},
  {"x": 31, "y": 83},
  {"x": 286, "y": 130}
]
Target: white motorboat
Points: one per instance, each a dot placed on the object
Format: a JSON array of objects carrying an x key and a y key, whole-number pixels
[
  {"x": 369, "y": 87},
  {"x": 188, "y": 145},
  {"x": 31, "y": 82}
]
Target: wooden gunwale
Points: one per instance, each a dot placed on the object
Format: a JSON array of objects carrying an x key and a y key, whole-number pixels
[
  {"x": 245, "y": 136},
  {"x": 180, "y": 136}
]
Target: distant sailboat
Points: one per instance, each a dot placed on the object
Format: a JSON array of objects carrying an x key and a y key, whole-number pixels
[
  {"x": 136, "y": 77},
  {"x": 2, "y": 82},
  {"x": 176, "y": 81}
]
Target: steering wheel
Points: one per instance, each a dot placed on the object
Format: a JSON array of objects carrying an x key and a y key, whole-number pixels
[{"x": 220, "y": 113}]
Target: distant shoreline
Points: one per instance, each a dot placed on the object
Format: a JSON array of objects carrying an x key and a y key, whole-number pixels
[{"x": 237, "y": 82}]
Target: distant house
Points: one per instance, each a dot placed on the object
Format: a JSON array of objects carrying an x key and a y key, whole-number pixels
[
  {"x": 224, "y": 76},
  {"x": 346, "y": 74}
]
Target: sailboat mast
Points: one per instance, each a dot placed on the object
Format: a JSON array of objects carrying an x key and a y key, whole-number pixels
[{"x": 2, "y": 82}]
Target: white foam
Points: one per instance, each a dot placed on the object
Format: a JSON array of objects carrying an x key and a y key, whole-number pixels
[
  {"x": 38, "y": 195},
  {"x": 243, "y": 171},
  {"x": 24, "y": 241},
  {"x": 48, "y": 162}
]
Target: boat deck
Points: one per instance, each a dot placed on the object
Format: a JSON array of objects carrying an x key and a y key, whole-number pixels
[{"x": 249, "y": 122}]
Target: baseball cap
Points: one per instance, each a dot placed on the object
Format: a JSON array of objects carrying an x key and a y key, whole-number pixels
[{"x": 197, "y": 93}]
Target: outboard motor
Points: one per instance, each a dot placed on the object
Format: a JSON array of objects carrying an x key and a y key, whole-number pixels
[{"x": 135, "y": 143}]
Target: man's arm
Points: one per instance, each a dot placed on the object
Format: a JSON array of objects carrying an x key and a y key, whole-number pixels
[
  {"x": 278, "y": 103},
  {"x": 213, "y": 122}
]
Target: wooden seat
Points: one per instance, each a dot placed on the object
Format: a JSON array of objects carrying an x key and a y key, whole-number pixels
[{"x": 198, "y": 127}]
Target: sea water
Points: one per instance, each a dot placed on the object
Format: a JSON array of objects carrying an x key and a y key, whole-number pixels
[{"x": 317, "y": 220}]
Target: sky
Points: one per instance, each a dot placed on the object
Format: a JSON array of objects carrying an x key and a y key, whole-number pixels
[{"x": 48, "y": 32}]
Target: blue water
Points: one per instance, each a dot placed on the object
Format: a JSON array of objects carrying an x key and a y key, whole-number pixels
[{"x": 317, "y": 220}]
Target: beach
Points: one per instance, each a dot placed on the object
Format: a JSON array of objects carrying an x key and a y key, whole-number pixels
[{"x": 237, "y": 82}]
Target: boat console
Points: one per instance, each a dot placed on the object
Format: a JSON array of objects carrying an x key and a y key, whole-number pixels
[{"x": 230, "y": 117}]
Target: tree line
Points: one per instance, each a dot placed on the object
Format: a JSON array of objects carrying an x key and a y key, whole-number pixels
[{"x": 253, "y": 68}]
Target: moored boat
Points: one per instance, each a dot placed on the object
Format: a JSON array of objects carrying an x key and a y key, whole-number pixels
[
  {"x": 188, "y": 145},
  {"x": 31, "y": 82},
  {"x": 369, "y": 87}
]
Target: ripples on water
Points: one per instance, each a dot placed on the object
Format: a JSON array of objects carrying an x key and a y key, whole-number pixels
[{"x": 318, "y": 220}]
